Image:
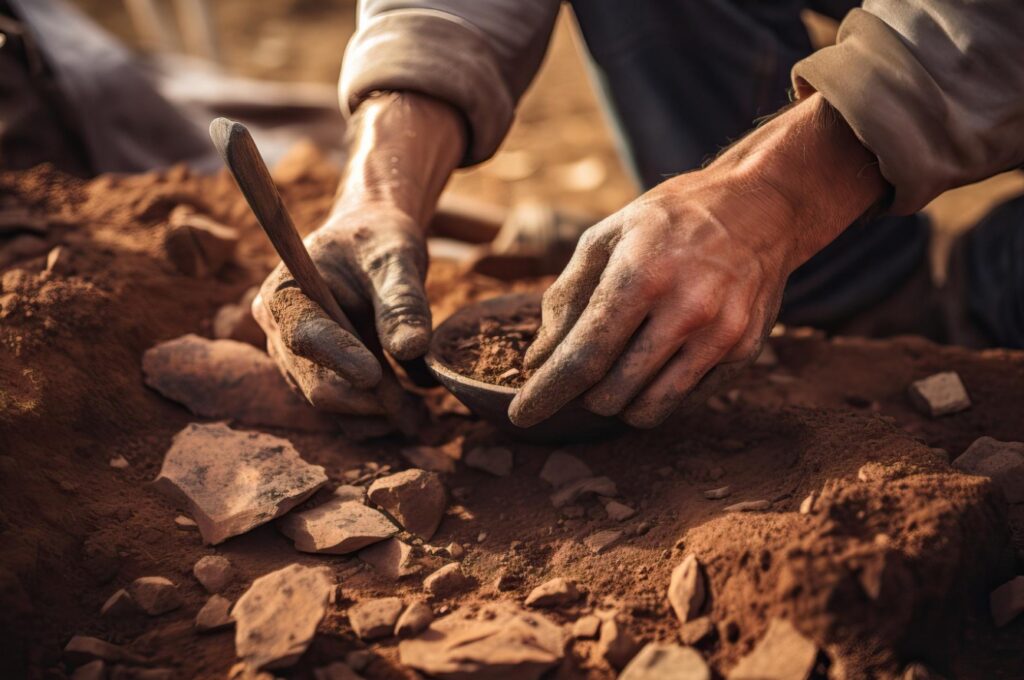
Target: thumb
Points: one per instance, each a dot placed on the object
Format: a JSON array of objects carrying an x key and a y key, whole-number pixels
[{"x": 396, "y": 275}]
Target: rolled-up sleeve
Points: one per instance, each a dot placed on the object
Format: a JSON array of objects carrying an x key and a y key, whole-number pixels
[
  {"x": 934, "y": 88},
  {"x": 477, "y": 55}
]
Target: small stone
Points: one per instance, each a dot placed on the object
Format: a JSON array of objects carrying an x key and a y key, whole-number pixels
[
  {"x": 586, "y": 627},
  {"x": 248, "y": 478},
  {"x": 481, "y": 537},
  {"x": 94, "y": 670},
  {"x": 392, "y": 558},
  {"x": 348, "y": 492},
  {"x": 696, "y": 631},
  {"x": 184, "y": 522},
  {"x": 118, "y": 605},
  {"x": 510, "y": 373},
  {"x": 336, "y": 671},
  {"x": 687, "y": 589},
  {"x": 337, "y": 527},
  {"x": 1003, "y": 462},
  {"x": 277, "y": 617},
  {"x": 236, "y": 322},
  {"x": 414, "y": 619},
  {"x": 807, "y": 504},
  {"x": 374, "y": 619},
  {"x": 429, "y": 458},
  {"x": 617, "y": 511},
  {"x": 615, "y": 644},
  {"x": 214, "y": 615},
  {"x": 749, "y": 506},
  {"x": 783, "y": 652},
  {"x": 81, "y": 649},
  {"x": 154, "y": 595},
  {"x": 587, "y": 486},
  {"x": 119, "y": 462},
  {"x": 213, "y": 572},
  {"x": 561, "y": 468},
  {"x": 939, "y": 394},
  {"x": 1007, "y": 601},
  {"x": 415, "y": 498},
  {"x": 446, "y": 581},
  {"x": 553, "y": 593},
  {"x": 603, "y": 540},
  {"x": 455, "y": 550},
  {"x": 497, "y": 460},
  {"x": 718, "y": 494},
  {"x": 658, "y": 661}
]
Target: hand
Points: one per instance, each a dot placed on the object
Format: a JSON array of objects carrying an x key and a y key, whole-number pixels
[{"x": 675, "y": 293}]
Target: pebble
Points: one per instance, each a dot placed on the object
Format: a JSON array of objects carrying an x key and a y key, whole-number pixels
[
  {"x": 81, "y": 649},
  {"x": 749, "y": 506},
  {"x": 615, "y": 644},
  {"x": 939, "y": 394},
  {"x": 118, "y": 605},
  {"x": 807, "y": 504},
  {"x": 375, "y": 619},
  {"x": 587, "y": 486},
  {"x": 658, "y": 661},
  {"x": 429, "y": 458},
  {"x": 586, "y": 627},
  {"x": 348, "y": 492},
  {"x": 554, "y": 593},
  {"x": 213, "y": 572},
  {"x": 561, "y": 468},
  {"x": 696, "y": 631},
  {"x": 414, "y": 498},
  {"x": 337, "y": 527},
  {"x": 455, "y": 550},
  {"x": 119, "y": 462},
  {"x": 154, "y": 595},
  {"x": 496, "y": 460},
  {"x": 718, "y": 494},
  {"x": 414, "y": 619},
  {"x": 1003, "y": 462},
  {"x": 1007, "y": 601},
  {"x": 603, "y": 540},
  {"x": 184, "y": 522},
  {"x": 783, "y": 652},
  {"x": 687, "y": 589},
  {"x": 446, "y": 581},
  {"x": 214, "y": 615},
  {"x": 392, "y": 558},
  {"x": 249, "y": 478},
  {"x": 617, "y": 511}
]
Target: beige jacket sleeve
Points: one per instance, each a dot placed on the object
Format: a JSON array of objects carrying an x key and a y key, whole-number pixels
[
  {"x": 934, "y": 88},
  {"x": 477, "y": 55}
]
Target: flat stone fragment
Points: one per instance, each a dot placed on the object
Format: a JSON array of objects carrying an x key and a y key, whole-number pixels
[
  {"x": 666, "y": 662},
  {"x": 554, "y": 593},
  {"x": 119, "y": 604},
  {"x": 414, "y": 619},
  {"x": 374, "y": 619},
  {"x": 617, "y": 511},
  {"x": 213, "y": 572},
  {"x": 615, "y": 644},
  {"x": 337, "y": 527},
  {"x": 696, "y": 631},
  {"x": 587, "y": 486},
  {"x": 1003, "y": 462},
  {"x": 505, "y": 643},
  {"x": 154, "y": 595},
  {"x": 94, "y": 670},
  {"x": 561, "y": 468},
  {"x": 235, "y": 481},
  {"x": 586, "y": 627},
  {"x": 497, "y": 460},
  {"x": 429, "y": 458},
  {"x": 415, "y": 498},
  {"x": 446, "y": 581},
  {"x": 749, "y": 506},
  {"x": 718, "y": 494},
  {"x": 183, "y": 522},
  {"x": 119, "y": 462},
  {"x": 228, "y": 379},
  {"x": 336, "y": 671},
  {"x": 392, "y": 558},
  {"x": 603, "y": 540},
  {"x": 277, "y": 617},
  {"x": 687, "y": 589},
  {"x": 1007, "y": 601},
  {"x": 82, "y": 649},
  {"x": 939, "y": 394},
  {"x": 783, "y": 654},
  {"x": 349, "y": 492},
  {"x": 214, "y": 615}
]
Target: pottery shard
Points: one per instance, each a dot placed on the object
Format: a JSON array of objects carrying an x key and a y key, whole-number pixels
[
  {"x": 337, "y": 527},
  {"x": 228, "y": 379},
  {"x": 1007, "y": 601},
  {"x": 586, "y": 627},
  {"x": 615, "y": 644},
  {"x": 939, "y": 394},
  {"x": 497, "y": 460},
  {"x": 414, "y": 619},
  {"x": 562, "y": 468},
  {"x": 392, "y": 558},
  {"x": 374, "y": 619},
  {"x": 234, "y": 481},
  {"x": 504, "y": 643},
  {"x": 214, "y": 615},
  {"x": 587, "y": 486},
  {"x": 415, "y": 498},
  {"x": 666, "y": 662},
  {"x": 277, "y": 617},
  {"x": 236, "y": 322},
  {"x": 82, "y": 649},
  {"x": 686, "y": 589},
  {"x": 1003, "y": 462},
  {"x": 446, "y": 581},
  {"x": 782, "y": 654},
  {"x": 213, "y": 572},
  {"x": 154, "y": 595},
  {"x": 553, "y": 593}
]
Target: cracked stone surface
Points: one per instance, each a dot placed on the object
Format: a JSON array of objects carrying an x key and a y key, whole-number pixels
[
  {"x": 415, "y": 498},
  {"x": 337, "y": 527}
]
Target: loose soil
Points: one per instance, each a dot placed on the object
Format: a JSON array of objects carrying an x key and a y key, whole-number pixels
[
  {"x": 492, "y": 349},
  {"x": 893, "y": 566}
]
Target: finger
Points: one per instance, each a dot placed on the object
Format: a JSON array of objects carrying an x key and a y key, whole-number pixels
[
  {"x": 565, "y": 300},
  {"x": 399, "y": 300}
]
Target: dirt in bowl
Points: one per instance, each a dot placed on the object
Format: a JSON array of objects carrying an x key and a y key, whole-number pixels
[{"x": 492, "y": 348}]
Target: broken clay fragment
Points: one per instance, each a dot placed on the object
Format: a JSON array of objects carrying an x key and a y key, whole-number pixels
[
  {"x": 658, "y": 661},
  {"x": 214, "y": 615},
  {"x": 554, "y": 593},
  {"x": 939, "y": 394},
  {"x": 783, "y": 652},
  {"x": 1003, "y": 462},
  {"x": 337, "y": 527},
  {"x": 154, "y": 595},
  {"x": 687, "y": 589},
  {"x": 376, "y": 618},
  {"x": 415, "y": 498}
]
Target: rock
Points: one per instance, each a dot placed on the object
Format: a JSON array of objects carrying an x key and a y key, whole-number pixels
[
  {"x": 939, "y": 394},
  {"x": 497, "y": 460},
  {"x": 782, "y": 653},
  {"x": 415, "y": 498},
  {"x": 119, "y": 462},
  {"x": 236, "y": 322},
  {"x": 561, "y": 468},
  {"x": 718, "y": 494},
  {"x": 687, "y": 589},
  {"x": 586, "y": 627},
  {"x": 213, "y": 572},
  {"x": 504, "y": 643},
  {"x": 749, "y": 506},
  {"x": 214, "y": 614},
  {"x": 603, "y": 540},
  {"x": 228, "y": 379},
  {"x": 197, "y": 245},
  {"x": 118, "y": 605},
  {"x": 429, "y": 458},
  {"x": 234, "y": 481},
  {"x": 337, "y": 527},
  {"x": 392, "y": 558},
  {"x": 414, "y": 619},
  {"x": 154, "y": 595},
  {"x": 571, "y": 492},
  {"x": 446, "y": 581},
  {"x": 82, "y": 649},
  {"x": 1007, "y": 601},
  {"x": 374, "y": 619},
  {"x": 617, "y": 511},
  {"x": 696, "y": 631},
  {"x": 455, "y": 550},
  {"x": 615, "y": 644},
  {"x": 1003, "y": 462},
  {"x": 184, "y": 522},
  {"x": 666, "y": 662},
  {"x": 553, "y": 593},
  {"x": 807, "y": 504},
  {"x": 336, "y": 671},
  {"x": 94, "y": 670},
  {"x": 348, "y": 492},
  {"x": 277, "y": 617}
]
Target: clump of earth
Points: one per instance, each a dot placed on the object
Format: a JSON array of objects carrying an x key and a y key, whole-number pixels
[{"x": 491, "y": 347}]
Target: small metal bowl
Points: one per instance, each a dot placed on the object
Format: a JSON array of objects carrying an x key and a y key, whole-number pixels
[{"x": 491, "y": 402}]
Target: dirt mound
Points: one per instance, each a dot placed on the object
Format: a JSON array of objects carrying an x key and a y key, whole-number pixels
[{"x": 491, "y": 350}]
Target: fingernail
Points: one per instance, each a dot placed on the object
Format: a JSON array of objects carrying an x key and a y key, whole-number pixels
[{"x": 408, "y": 342}]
